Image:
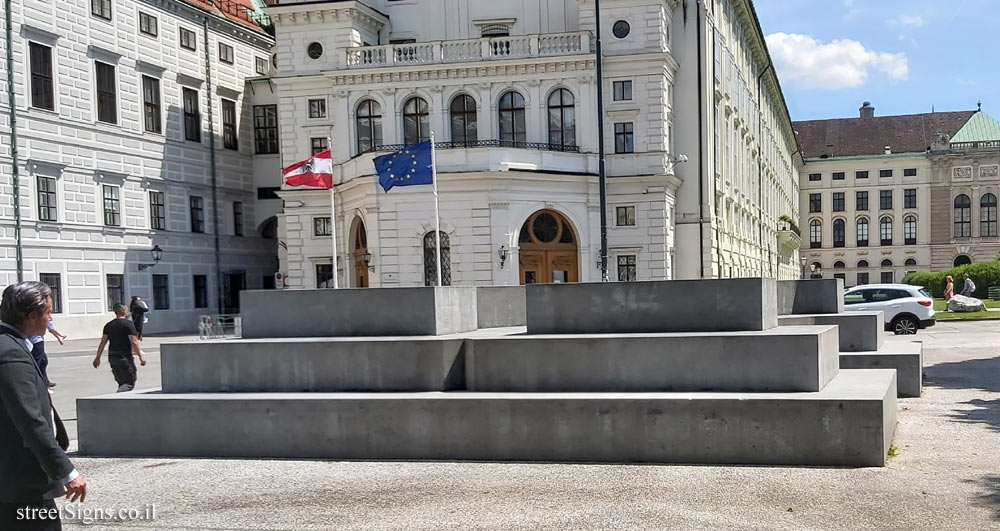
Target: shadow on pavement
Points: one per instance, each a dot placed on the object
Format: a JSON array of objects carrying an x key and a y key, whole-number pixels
[
  {"x": 991, "y": 498},
  {"x": 970, "y": 374}
]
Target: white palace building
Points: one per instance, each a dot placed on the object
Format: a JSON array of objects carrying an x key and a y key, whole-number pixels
[{"x": 702, "y": 162}]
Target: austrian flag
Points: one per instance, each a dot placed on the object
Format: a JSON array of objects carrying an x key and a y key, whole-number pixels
[{"x": 316, "y": 171}]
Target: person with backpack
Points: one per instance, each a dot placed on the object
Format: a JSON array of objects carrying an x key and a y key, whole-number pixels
[
  {"x": 969, "y": 287},
  {"x": 138, "y": 308}
]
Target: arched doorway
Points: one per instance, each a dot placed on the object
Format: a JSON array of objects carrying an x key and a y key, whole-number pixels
[
  {"x": 359, "y": 246},
  {"x": 962, "y": 259},
  {"x": 547, "y": 249}
]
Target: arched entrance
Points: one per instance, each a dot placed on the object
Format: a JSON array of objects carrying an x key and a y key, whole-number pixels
[
  {"x": 962, "y": 260},
  {"x": 359, "y": 246},
  {"x": 547, "y": 249}
]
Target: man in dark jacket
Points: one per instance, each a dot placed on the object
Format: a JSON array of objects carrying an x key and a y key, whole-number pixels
[{"x": 33, "y": 462}]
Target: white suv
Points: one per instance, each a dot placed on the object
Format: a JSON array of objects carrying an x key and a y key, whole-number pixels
[{"x": 907, "y": 308}]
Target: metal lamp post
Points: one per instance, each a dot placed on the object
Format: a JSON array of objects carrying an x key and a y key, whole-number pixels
[{"x": 157, "y": 254}]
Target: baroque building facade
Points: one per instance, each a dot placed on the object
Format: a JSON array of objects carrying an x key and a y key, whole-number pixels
[
  {"x": 133, "y": 129},
  {"x": 510, "y": 92}
]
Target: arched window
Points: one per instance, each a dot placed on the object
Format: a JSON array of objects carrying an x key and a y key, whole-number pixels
[
  {"x": 815, "y": 234},
  {"x": 910, "y": 230},
  {"x": 910, "y": 262},
  {"x": 839, "y": 265},
  {"x": 368, "y": 122},
  {"x": 988, "y": 215},
  {"x": 512, "y": 128},
  {"x": 862, "y": 232},
  {"x": 562, "y": 119},
  {"x": 430, "y": 260},
  {"x": 464, "y": 123},
  {"x": 886, "y": 263},
  {"x": 888, "y": 277},
  {"x": 416, "y": 121},
  {"x": 885, "y": 230},
  {"x": 962, "y": 259},
  {"x": 963, "y": 216},
  {"x": 839, "y": 233},
  {"x": 862, "y": 264}
]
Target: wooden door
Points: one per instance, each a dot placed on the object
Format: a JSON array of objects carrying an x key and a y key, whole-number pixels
[
  {"x": 562, "y": 266},
  {"x": 533, "y": 267}
]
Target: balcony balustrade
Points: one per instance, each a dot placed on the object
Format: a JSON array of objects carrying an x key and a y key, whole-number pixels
[{"x": 485, "y": 49}]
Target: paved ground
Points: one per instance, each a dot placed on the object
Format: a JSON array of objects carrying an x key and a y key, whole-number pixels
[{"x": 946, "y": 476}]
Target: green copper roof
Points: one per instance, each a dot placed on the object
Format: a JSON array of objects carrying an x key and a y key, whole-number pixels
[{"x": 980, "y": 128}]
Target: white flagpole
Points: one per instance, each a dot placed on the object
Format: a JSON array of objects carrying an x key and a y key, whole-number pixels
[
  {"x": 437, "y": 214},
  {"x": 333, "y": 235}
]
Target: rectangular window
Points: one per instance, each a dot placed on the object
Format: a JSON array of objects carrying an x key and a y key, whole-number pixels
[
  {"x": 101, "y": 9},
  {"x": 52, "y": 281},
  {"x": 151, "y": 104},
  {"x": 321, "y": 226},
  {"x": 47, "y": 210},
  {"x": 626, "y": 268},
  {"x": 147, "y": 24},
  {"x": 838, "y": 202},
  {"x": 910, "y": 172},
  {"x": 861, "y": 175},
  {"x": 910, "y": 198},
  {"x": 157, "y": 211},
  {"x": 238, "y": 218},
  {"x": 885, "y": 173},
  {"x": 815, "y": 203},
  {"x": 112, "y": 206},
  {"x": 192, "y": 115},
  {"x": 622, "y": 90},
  {"x": 161, "y": 292},
  {"x": 261, "y": 66},
  {"x": 885, "y": 199},
  {"x": 317, "y": 108},
  {"x": 814, "y": 177},
  {"x": 625, "y": 216},
  {"x": 115, "y": 290},
  {"x": 861, "y": 201},
  {"x": 42, "y": 95},
  {"x": 229, "y": 134},
  {"x": 624, "y": 141},
  {"x": 265, "y": 129},
  {"x": 324, "y": 275},
  {"x": 107, "y": 100},
  {"x": 188, "y": 39},
  {"x": 200, "y": 291},
  {"x": 197, "y": 214},
  {"x": 226, "y": 53},
  {"x": 862, "y": 279},
  {"x": 838, "y": 176},
  {"x": 317, "y": 144},
  {"x": 887, "y": 277}
]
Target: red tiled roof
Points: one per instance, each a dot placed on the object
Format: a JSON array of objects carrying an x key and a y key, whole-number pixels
[
  {"x": 909, "y": 133},
  {"x": 238, "y": 11}
]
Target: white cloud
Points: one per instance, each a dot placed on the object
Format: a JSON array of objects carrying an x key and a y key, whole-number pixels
[
  {"x": 913, "y": 21},
  {"x": 836, "y": 65},
  {"x": 965, "y": 82}
]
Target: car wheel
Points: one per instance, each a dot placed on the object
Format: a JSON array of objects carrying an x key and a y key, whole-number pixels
[{"x": 905, "y": 326}]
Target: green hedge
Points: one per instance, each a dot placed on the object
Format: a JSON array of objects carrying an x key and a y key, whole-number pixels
[{"x": 984, "y": 274}]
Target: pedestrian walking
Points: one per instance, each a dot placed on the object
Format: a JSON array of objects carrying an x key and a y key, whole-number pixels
[
  {"x": 123, "y": 343},
  {"x": 33, "y": 440},
  {"x": 969, "y": 287},
  {"x": 138, "y": 308},
  {"x": 38, "y": 351},
  {"x": 949, "y": 287}
]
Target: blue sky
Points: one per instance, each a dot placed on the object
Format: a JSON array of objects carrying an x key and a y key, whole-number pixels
[{"x": 902, "y": 55}]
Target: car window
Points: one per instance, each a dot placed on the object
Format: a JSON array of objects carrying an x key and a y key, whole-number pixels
[
  {"x": 882, "y": 295},
  {"x": 855, "y": 297},
  {"x": 924, "y": 293},
  {"x": 902, "y": 294}
]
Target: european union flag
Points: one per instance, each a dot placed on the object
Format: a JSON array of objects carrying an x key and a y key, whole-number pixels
[{"x": 410, "y": 166}]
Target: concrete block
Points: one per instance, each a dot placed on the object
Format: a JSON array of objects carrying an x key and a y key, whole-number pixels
[
  {"x": 796, "y": 358},
  {"x": 317, "y": 365},
  {"x": 849, "y": 423},
  {"x": 500, "y": 306},
  {"x": 906, "y": 358},
  {"x": 358, "y": 312},
  {"x": 652, "y": 306},
  {"x": 859, "y": 331},
  {"x": 810, "y": 296}
]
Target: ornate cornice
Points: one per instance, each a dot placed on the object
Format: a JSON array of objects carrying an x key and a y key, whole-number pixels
[
  {"x": 305, "y": 14},
  {"x": 583, "y": 63}
]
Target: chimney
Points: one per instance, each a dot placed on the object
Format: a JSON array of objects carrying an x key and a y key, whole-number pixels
[
  {"x": 867, "y": 111},
  {"x": 888, "y": 150}
]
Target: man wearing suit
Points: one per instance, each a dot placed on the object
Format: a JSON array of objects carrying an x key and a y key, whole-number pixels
[{"x": 33, "y": 462}]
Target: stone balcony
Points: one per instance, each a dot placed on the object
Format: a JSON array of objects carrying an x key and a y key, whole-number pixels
[{"x": 471, "y": 50}]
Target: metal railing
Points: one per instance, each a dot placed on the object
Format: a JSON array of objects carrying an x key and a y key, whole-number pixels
[
  {"x": 486, "y": 48},
  {"x": 219, "y": 326}
]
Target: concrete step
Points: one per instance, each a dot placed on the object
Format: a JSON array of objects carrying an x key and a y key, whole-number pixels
[
  {"x": 859, "y": 331},
  {"x": 906, "y": 357},
  {"x": 780, "y": 359},
  {"x": 849, "y": 423}
]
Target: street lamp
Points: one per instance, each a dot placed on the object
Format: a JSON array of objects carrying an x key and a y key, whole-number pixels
[
  {"x": 157, "y": 256},
  {"x": 368, "y": 261},
  {"x": 502, "y": 254}
]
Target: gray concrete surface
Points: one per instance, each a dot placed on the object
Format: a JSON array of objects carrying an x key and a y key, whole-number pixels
[
  {"x": 500, "y": 306},
  {"x": 906, "y": 358},
  {"x": 358, "y": 312},
  {"x": 810, "y": 296},
  {"x": 944, "y": 478},
  {"x": 793, "y": 358},
  {"x": 850, "y": 422},
  {"x": 652, "y": 306},
  {"x": 859, "y": 331}
]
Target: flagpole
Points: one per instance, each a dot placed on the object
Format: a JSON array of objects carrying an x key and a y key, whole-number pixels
[
  {"x": 437, "y": 213},
  {"x": 333, "y": 235}
]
